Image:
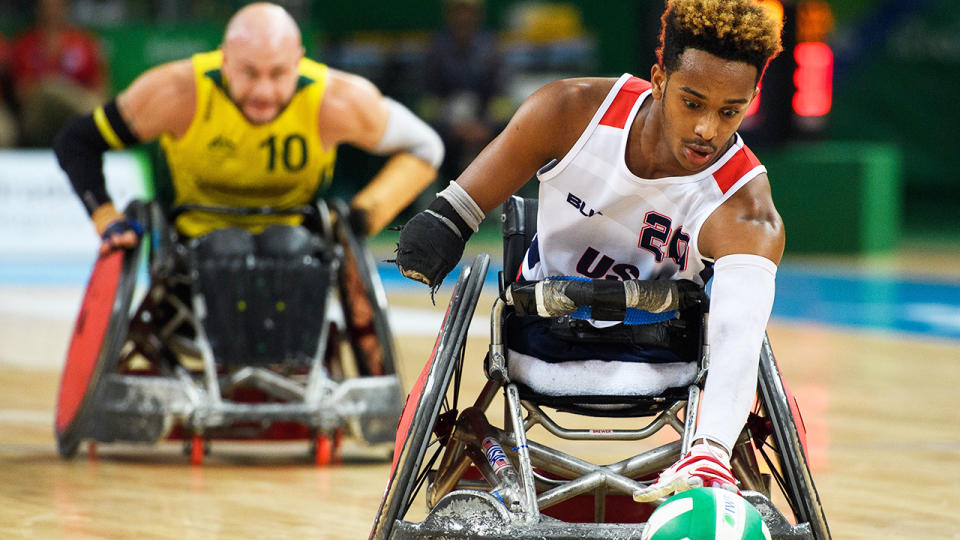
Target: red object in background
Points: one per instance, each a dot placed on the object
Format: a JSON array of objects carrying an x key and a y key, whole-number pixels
[
  {"x": 74, "y": 55},
  {"x": 4, "y": 62},
  {"x": 4, "y": 52},
  {"x": 813, "y": 79}
]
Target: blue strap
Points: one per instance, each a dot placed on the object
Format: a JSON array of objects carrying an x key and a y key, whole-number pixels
[{"x": 121, "y": 226}]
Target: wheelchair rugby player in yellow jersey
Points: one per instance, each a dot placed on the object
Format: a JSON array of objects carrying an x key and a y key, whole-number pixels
[{"x": 234, "y": 338}]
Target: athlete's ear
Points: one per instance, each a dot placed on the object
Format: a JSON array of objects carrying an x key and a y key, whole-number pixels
[
  {"x": 224, "y": 51},
  {"x": 658, "y": 81}
]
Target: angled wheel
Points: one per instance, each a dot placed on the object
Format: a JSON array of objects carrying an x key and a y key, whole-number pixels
[
  {"x": 431, "y": 395},
  {"x": 98, "y": 335},
  {"x": 364, "y": 304},
  {"x": 778, "y": 434}
]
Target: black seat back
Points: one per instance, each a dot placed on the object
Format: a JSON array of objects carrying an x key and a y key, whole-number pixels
[
  {"x": 264, "y": 294},
  {"x": 519, "y": 227}
]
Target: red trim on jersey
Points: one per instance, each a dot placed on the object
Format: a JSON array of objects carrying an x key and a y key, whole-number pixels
[
  {"x": 733, "y": 170},
  {"x": 619, "y": 109}
]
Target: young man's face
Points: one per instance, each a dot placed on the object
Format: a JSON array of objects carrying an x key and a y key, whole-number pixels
[
  {"x": 703, "y": 103},
  {"x": 261, "y": 79}
]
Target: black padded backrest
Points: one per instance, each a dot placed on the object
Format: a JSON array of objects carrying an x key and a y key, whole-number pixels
[
  {"x": 285, "y": 241},
  {"x": 519, "y": 227},
  {"x": 264, "y": 294},
  {"x": 229, "y": 242}
]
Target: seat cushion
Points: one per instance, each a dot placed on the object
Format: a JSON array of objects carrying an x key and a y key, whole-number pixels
[{"x": 598, "y": 377}]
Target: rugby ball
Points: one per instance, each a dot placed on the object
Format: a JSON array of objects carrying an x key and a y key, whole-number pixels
[{"x": 706, "y": 514}]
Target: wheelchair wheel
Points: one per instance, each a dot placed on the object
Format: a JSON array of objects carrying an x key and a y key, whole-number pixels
[
  {"x": 778, "y": 438},
  {"x": 363, "y": 280},
  {"x": 431, "y": 395},
  {"x": 98, "y": 335}
]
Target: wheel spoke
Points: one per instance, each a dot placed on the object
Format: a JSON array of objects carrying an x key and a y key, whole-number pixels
[{"x": 421, "y": 478}]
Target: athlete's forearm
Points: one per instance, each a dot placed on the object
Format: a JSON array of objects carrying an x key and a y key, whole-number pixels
[
  {"x": 79, "y": 148},
  {"x": 396, "y": 185},
  {"x": 740, "y": 304}
]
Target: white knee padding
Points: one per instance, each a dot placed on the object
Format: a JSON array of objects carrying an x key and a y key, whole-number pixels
[
  {"x": 405, "y": 132},
  {"x": 740, "y": 302}
]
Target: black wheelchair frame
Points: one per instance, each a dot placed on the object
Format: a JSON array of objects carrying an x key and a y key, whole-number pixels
[
  {"x": 437, "y": 442},
  {"x": 185, "y": 390}
]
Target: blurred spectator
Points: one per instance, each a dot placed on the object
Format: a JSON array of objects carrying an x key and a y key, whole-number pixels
[
  {"x": 8, "y": 125},
  {"x": 58, "y": 72},
  {"x": 464, "y": 85}
]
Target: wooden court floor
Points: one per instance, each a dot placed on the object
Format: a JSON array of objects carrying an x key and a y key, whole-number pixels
[{"x": 880, "y": 410}]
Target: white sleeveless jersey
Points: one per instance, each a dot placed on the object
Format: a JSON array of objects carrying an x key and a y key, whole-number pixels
[{"x": 597, "y": 219}]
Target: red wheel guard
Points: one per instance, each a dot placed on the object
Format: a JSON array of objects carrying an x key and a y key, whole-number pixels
[{"x": 89, "y": 331}]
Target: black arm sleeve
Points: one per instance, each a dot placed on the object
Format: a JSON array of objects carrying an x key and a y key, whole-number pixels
[{"x": 79, "y": 148}]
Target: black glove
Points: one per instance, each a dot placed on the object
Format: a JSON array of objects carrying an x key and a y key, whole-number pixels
[
  {"x": 429, "y": 247},
  {"x": 359, "y": 222}
]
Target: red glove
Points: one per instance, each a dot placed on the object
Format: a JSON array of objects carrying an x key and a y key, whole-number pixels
[{"x": 703, "y": 466}]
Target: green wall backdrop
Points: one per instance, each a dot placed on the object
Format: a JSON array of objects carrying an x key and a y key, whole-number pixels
[{"x": 898, "y": 67}]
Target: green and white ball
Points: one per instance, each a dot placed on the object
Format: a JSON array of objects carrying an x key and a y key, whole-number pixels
[{"x": 706, "y": 514}]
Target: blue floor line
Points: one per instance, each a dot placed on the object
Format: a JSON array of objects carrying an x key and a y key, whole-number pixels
[
  {"x": 915, "y": 306},
  {"x": 883, "y": 303}
]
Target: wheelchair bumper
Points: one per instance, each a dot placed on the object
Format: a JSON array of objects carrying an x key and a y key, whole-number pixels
[
  {"x": 477, "y": 515},
  {"x": 146, "y": 408}
]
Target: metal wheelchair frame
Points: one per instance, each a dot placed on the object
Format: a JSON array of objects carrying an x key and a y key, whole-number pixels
[
  {"x": 461, "y": 507},
  {"x": 146, "y": 407}
]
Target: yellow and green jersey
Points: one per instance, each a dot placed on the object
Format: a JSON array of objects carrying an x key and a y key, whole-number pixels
[{"x": 224, "y": 160}]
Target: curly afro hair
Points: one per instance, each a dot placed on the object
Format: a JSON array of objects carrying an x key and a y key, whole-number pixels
[{"x": 738, "y": 30}]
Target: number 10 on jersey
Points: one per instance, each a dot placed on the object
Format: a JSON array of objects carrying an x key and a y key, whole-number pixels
[{"x": 292, "y": 152}]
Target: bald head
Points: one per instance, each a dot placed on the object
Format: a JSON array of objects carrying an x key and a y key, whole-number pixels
[
  {"x": 262, "y": 24},
  {"x": 261, "y": 57}
]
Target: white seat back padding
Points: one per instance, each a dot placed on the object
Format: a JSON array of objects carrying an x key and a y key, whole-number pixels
[{"x": 598, "y": 377}]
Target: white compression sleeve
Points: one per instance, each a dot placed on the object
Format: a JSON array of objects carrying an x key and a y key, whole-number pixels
[
  {"x": 405, "y": 132},
  {"x": 740, "y": 304},
  {"x": 463, "y": 203}
]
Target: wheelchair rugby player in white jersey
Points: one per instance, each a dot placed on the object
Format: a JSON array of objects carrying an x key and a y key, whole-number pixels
[{"x": 640, "y": 182}]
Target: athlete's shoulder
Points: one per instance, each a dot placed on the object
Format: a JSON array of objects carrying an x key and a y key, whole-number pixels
[
  {"x": 179, "y": 71},
  {"x": 740, "y": 163},
  {"x": 352, "y": 109},
  {"x": 161, "y": 100},
  {"x": 581, "y": 93},
  {"x": 349, "y": 89},
  {"x": 175, "y": 80},
  {"x": 567, "y": 105}
]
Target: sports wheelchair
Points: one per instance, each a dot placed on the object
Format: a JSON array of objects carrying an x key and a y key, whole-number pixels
[
  {"x": 232, "y": 338},
  {"x": 485, "y": 482}
]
